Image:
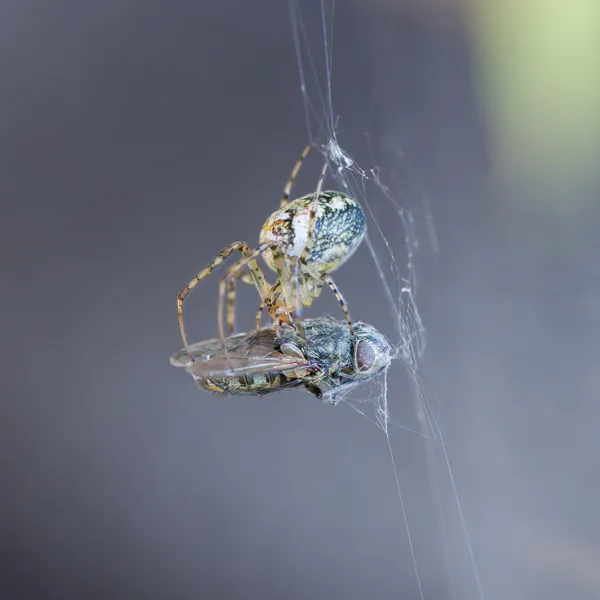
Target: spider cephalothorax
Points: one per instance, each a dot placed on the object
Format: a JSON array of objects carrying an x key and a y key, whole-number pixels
[{"x": 303, "y": 241}]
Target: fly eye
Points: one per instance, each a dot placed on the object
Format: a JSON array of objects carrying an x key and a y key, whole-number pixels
[{"x": 365, "y": 356}]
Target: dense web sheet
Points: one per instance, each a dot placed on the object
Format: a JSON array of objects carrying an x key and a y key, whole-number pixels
[{"x": 375, "y": 184}]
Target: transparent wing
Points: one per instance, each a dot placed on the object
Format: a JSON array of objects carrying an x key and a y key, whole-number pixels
[
  {"x": 205, "y": 351},
  {"x": 246, "y": 365},
  {"x": 246, "y": 355}
]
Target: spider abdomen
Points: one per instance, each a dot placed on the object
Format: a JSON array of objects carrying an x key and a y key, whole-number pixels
[{"x": 337, "y": 231}]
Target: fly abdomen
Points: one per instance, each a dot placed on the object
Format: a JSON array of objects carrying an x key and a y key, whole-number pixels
[{"x": 256, "y": 384}]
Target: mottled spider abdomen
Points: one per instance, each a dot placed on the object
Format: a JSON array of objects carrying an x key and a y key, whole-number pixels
[{"x": 338, "y": 229}]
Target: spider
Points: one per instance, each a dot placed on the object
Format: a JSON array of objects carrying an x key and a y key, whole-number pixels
[{"x": 302, "y": 242}]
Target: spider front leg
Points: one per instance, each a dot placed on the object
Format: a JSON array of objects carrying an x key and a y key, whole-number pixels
[{"x": 255, "y": 270}]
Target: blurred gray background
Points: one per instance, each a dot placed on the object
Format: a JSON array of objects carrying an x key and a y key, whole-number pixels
[{"x": 138, "y": 139}]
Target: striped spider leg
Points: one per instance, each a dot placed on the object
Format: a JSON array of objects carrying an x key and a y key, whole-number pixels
[{"x": 256, "y": 277}]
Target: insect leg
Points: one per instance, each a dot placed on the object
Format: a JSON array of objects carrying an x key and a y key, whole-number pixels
[
  {"x": 288, "y": 186},
  {"x": 257, "y": 274},
  {"x": 334, "y": 288}
]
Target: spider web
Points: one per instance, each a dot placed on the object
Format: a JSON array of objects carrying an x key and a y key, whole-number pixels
[{"x": 368, "y": 164}]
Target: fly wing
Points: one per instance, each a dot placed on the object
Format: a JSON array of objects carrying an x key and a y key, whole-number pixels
[
  {"x": 234, "y": 366},
  {"x": 246, "y": 355},
  {"x": 206, "y": 350}
]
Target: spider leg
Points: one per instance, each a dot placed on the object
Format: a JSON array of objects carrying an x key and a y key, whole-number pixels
[
  {"x": 232, "y": 273},
  {"x": 269, "y": 300},
  {"x": 295, "y": 302},
  {"x": 288, "y": 186},
  {"x": 334, "y": 288},
  {"x": 259, "y": 316},
  {"x": 246, "y": 278},
  {"x": 230, "y": 306},
  {"x": 286, "y": 268},
  {"x": 255, "y": 270}
]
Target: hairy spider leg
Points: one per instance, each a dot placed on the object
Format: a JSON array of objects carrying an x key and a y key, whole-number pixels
[
  {"x": 288, "y": 186},
  {"x": 257, "y": 275}
]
